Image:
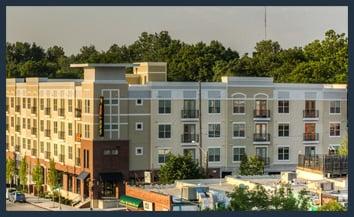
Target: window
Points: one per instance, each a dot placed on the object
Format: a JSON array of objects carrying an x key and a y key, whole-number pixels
[
  {"x": 70, "y": 152},
  {"x": 55, "y": 149},
  {"x": 238, "y": 153},
  {"x": 70, "y": 129},
  {"x": 23, "y": 143},
  {"x": 12, "y": 121},
  {"x": 23, "y": 123},
  {"x": 28, "y": 144},
  {"x": 334, "y": 129},
  {"x": 283, "y": 153},
  {"x": 24, "y": 103},
  {"x": 214, "y": 106},
  {"x": 86, "y": 158},
  {"x": 70, "y": 105},
  {"x": 139, "y": 126},
  {"x": 48, "y": 146},
  {"x": 42, "y": 125},
  {"x": 28, "y": 123},
  {"x": 12, "y": 102},
  {"x": 139, "y": 102},
  {"x": 164, "y": 106},
  {"x": 55, "y": 105},
  {"x": 48, "y": 103},
  {"x": 214, "y": 130},
  {"x": 334, "y": 107},
  {"x": 283, "y": 106},
  {"x": 283, "y": 130},
  {"x": 164, "y": 131},
  {"x": 87, "y": 106},
  {"x": 139, "y": 151},
  {"x": 162, "y": 155},
  {"x": 214, "y": 154},
  {"x": 238, "y": 130},
  {"x": 114, "y": 151},
  {"x": 41, "y": 147},
  {"x": 238, "y": 104},
  {"x": 310, "y": 150},
  {"x": 41, "y": 102},
  {"x": 55, "y": 128},
  {"x": 87, "y": 131}
]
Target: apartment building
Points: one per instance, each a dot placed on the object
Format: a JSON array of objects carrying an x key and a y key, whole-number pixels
[{"x": 111, "y": 126}]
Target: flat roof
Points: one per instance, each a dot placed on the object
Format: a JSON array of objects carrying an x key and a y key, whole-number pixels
[{"x": 117, "y": 65}]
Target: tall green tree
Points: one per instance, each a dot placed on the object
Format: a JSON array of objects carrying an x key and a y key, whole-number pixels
[
  {"x": 52, "y": 176},
  {"x": 23, "y": 173},
  {"x": 343, "y": 148},
  {"x": 179, "y": 167},
  {"x": 10, "y": 170},
  {"x": 250, "y": 166},
  {"x": 37, "y": 177}
]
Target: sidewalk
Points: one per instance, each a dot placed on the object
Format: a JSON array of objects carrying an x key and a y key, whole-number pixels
[{"x": 48, "y": 205}]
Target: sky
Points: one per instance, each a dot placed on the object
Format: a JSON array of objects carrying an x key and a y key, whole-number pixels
[{"x": 239, "y": 28}]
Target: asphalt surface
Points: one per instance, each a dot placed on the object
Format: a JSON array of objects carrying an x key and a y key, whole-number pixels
[{"x": 22, "y": 207}]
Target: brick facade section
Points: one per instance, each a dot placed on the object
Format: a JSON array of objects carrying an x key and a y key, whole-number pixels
[{"x": 161, "y": 202}]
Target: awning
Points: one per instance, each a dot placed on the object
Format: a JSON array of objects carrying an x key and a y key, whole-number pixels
[
  {"x": 83, "y": 175},
  {"x": 130, "y": 201},
  {"x": 112, "y": 177}
]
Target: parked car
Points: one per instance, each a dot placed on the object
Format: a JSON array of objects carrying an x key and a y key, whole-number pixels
[
  {"x": 9, "y": 191},
  {"x": 17, "y": 196}
]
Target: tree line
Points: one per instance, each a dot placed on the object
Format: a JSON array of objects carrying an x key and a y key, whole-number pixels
[{"x": 320, "y": 61}]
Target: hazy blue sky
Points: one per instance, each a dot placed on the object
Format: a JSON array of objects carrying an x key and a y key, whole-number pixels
[{"x": 236, "y": 27}]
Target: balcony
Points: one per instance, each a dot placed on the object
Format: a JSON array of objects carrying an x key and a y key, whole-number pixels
[
  {"x": 261, "y": 114},
  {"x": 47, "y": 111},
  {"x": 310, "y": 114},
  {"x": 47, "y": 133},
  {"x": 17, "y": 148},
  {"x": 61, "y": 135},
  {"x": 18, "y": 128},
  {"x": 78, "y": 113},
  {"x": 78, "y": 137},
  {"x": 311, "y": 137},
  {"x": 261, "y": 137},
  {"x": 77, "y": 161},
  {"x": 61, "y": 112},
  {"x": 34, "y": 131},
  {"x": 47, "y": 155},
  {"x": 33, "y": 110},
  {"x": 34, "y": 152},
  {"x": 189, "y": 138},
  {"x": 189, "y": 114},
  {"x": 61, "y": 158},
  {"x": 17, "y": 108}
]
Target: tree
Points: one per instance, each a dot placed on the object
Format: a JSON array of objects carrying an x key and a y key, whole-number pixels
[
  {"x": 179, "y": 167},
  {"x": 10, "y": 170},
  {"x": 37, "y": 177},
  {"x": 251, "y": 166},
  {"x": 284, "y": 199},
  {"x": 23, "y": 173},
  {"x": 52, "y": 176},
  {"x": 343, "y": 148},
  {"x": 332, "y": 206}
]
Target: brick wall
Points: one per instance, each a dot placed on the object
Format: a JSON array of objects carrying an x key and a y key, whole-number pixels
[{"x": 161, "y": 202}]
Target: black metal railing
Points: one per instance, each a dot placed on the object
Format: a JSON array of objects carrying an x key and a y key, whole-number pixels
[
  {"x": 310, "y": 113},
  {"x": 78, "y": 113},
  {"x": 188, "y": 138},
  {"x": 261, "y": 137},
  {"x": 311, "y": 136},
  {"x": 334, "y": 165},
  {"x": 190, "y": 113},
  {"x": 261, "y": 113}
]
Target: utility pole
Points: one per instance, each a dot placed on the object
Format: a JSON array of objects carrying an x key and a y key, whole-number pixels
[{"x": 265, "y": 23}]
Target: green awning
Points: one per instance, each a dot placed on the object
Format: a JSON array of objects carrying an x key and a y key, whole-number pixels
[{"x": 130, "y": 201}]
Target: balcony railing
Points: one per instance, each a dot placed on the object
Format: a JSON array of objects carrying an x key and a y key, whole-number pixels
[
  {"x": 47, "y": 155},
  {"x": 34, "y": 110},
  {"x": 17, "y": 108},
  {"x": 257, "y": 113},
  {"x": 188, "y": 138},
  {"x": 61, "y": 135},
  {"x": 34, "y": 131},
  {"x": 17, "y": 148},
  {"x": 34, "y": 152},
  {"x": 185, "y": 114},
  {"x": 17, "y": 128},
  {"x": 61, "y": 158},
  {"x": 310, "y": 113},
  {"x": 310, "y": 136},
  {"x": 334, "y": 165},
  {"x": 47, "y": 133},
  {"x": 261, "y": 137},
  {"x": 78, "y": 113},
  {"x": 46, "y": 111},
  {"x": 77, "y": 161},
  {"x": 78, "y": 137},
  {"x": 61, "y": 112}
]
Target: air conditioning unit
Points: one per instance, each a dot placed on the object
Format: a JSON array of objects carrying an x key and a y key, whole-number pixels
[
  {"x": 326, "y": 186},
  {"x": 190, "y": 192},
  {"x": 287, "y": 177}
]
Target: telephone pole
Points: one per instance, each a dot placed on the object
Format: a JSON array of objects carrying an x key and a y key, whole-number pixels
[{"x": 265, "y": 23}]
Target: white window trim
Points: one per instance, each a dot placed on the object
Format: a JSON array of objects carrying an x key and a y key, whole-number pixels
[
  {"x": 283, "y": 113},
  {"x": 169, "y": 151},
  {"x": 233, "y": 147},
  {"x": 277, "y": 130},
  {"x": 136, "y": 151},
  {"x": 329, "y": 129},
  {"x": 277, "y": 156},
  {"x": 214, "y": 162},
  {"x": 220, "y": 130},
  {"x": 213, "y": 113},
  {"x": 158, "y": 126},
  {"x": 136, "y": 126},
  {"x": 158, "y": 111},
  {"x": 340, "y": 107},
  {"x": 139, "y": 104},
  {"x": 237, "y": 98},
  {"x": 233, "y": 137}
]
